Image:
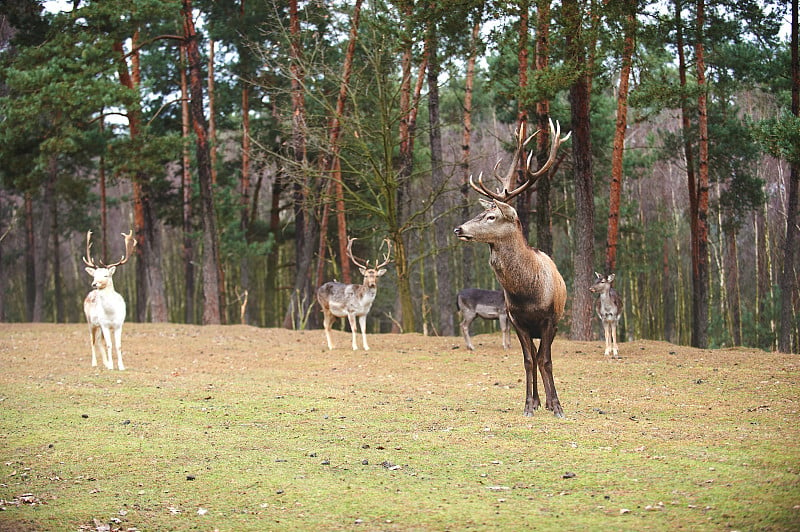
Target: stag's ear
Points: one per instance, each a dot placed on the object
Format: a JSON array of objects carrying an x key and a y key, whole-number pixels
[
  {"x": 111, "y": 270},
  {"x": 90, "y": 271},
  {"x": 486, "y": 204},
  {"x": 381, "y": 271},
  {"x": 597, "y": 275},
  {"x": 363, "y": 271},
  {"x": 508, "y": 212},
  {"x": 611, "y": 277}
]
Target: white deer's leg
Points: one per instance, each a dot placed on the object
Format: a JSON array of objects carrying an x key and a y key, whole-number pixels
[
  {"x": 363, "y": 321},
  {"x": 607, "y": 332},
  {"x": 92, "y": 340},
  {"x": 118, "y": 346},
  {"x": 108, "y": 360}
]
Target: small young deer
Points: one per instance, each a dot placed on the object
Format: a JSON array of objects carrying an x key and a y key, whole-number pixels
[
  {"x": 354, "y": 301},
  {"x": 487, "y": 304},
  {"x": 609, "y": 309},
  {"x": 535, "y": 292},
  {"x": 104, "y": 307}
]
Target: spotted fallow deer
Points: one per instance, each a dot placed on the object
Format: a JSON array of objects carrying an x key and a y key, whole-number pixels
[
  {"x": 609, "y": 309},
  {"x": 352, "y": 300},
  {"x": 104, "y": 307},
  {"x": 534, "y": 290}
]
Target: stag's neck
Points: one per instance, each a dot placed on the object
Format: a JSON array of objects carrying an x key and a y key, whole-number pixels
[{"x": 514, "y": 262}]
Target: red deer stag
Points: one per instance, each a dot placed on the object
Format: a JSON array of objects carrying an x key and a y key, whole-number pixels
[
  {"x": 487, "y": 304},
  {"x": 104, "y": 307},
  {"x": 535, "y": 292},
  {"x": 354, "y": 301},
  {"x": 609, "y": 309}
]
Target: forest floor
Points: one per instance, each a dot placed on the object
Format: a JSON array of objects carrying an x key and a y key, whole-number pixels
[{"x": 241, "y": 428}]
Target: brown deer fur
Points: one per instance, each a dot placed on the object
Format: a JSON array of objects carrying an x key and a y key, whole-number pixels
[{"x": 534, "y": 290}]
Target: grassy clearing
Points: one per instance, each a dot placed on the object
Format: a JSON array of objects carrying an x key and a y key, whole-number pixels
[{"x": 238, "y": 428}]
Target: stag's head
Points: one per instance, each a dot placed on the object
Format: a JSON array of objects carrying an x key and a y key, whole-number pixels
[
  {"x": 370, "y": 274},
  {"x": 499, "y": 218},
  {"x": 102, "y": 273},
  {"x": 602, "y": 283}
]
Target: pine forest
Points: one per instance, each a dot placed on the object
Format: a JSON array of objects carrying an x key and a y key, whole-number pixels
[{"x": 253, "y": 146}]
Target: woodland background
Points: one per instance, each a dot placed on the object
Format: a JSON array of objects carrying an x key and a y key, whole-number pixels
[{"x": 244, "y": 141}]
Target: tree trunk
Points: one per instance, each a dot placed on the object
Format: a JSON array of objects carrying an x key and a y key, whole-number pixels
[
  {"x": 583, "y": 258},
  {"x": 211, "y": 278},
  {"x": 302, "y": 297},
  {"x": 212, "y": 116},
  {"x": 334, "y": 168},
  {"x": 30, "y": 257},
  {"x": 732, "y": 286},
  {"x": 524, "y": 199},
  {"x": 149, "y": 281},
  {"x": 467, "y": 262},
  {"x": 619, "y": 142},
  {"x": 442, "y": 230},
  {"x": 409, "y": 101},
  {"x": 544, "y": 222},
  {"x": 788, "y": 281},
  {"x": 41, "y": 251},
  {"x": 186, "y": 195},
  {"x": 700, "y": 271}
]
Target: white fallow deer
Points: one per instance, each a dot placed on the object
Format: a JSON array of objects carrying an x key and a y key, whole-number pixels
[
  {"x": 352, "y": 300},
  {"x": 534, "y": 290},
  {"x": 609, "y": 309},
  {"x": 104, "y": 307},
  {"x": 487, "y": 304}
]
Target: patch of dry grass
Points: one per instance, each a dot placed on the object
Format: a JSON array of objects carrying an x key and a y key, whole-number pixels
[{"x": 238, "y": 428}]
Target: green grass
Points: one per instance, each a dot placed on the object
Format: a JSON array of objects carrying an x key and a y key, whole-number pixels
[{"x": 237, "y": 428}]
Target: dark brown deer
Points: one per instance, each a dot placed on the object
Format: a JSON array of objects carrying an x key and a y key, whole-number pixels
[
  {"x": 487, "y": 304},
  {"x": 352, "y": 300},
  {"x": 534, "y": 290},
  {"x": 609, "y": 309},
  {"x": 104, "y": 307}
]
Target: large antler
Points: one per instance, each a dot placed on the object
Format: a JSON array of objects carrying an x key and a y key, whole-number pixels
[
  {"x": 130, "y": 243},
  {"x": 365, "y": 265},
  {"x": 506, "y": 193}
]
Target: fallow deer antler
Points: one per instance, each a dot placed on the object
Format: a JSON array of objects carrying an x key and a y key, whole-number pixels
[
  {"x": 365, "y": 265},
  {"x": 130, "y": 244}
]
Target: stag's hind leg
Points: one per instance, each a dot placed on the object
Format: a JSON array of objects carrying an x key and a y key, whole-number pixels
[{"x": 545, "y": 363}]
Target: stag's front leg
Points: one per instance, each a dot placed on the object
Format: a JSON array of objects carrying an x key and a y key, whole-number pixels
[
  {"x": 532, "y": 400},
  {"x": 363, "y": 321}
]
